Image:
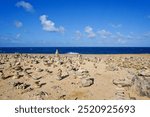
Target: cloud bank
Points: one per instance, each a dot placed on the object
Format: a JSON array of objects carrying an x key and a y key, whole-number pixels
[
  {"x": 25, "y": 5},
  {"x": 104, "y": 34},
  {"x": 49, "y": 25},
  {"x": 89, "y": 31}
]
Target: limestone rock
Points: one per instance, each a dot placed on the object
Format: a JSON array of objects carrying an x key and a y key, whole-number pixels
[
  {"x": 18, "y": 68},
  {"x": 39, "y": 70},
  {"x": 122, "y": 82},
  {"x": 48, "y": 71},
  {"x": 145, "y": 73},
  {"x": 142, "y": 85},
  {"x": 87, "y": 82},
  {"x": 20, "y": 85},
  {"x": 59, "y": 74},
  {"x": 64, "y": 74},
  {"x": 37, "y": 78},
  {"x": 1, "y": 75}
]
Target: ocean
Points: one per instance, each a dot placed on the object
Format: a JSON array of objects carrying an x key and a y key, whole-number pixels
[{"x": 77, "y": 50}]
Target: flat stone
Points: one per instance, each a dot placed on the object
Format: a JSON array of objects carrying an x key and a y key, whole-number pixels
[
  {"x": 39, "y": 70},
  {"x": 64, "y": 74},
  {"x": 87, "y": 82},
  {"x": 122, "y": 82},
  {"x": 145, "y": 73}
]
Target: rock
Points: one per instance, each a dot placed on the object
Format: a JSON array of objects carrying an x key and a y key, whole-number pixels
[
  {"x": 60, "y": 62},
  {"x": 18, "y": 68},
  {"x": 37, "y": 84},
  {"x": 122, "y": 82},
  {"x": 59, "y": 74},
  {"x": 1, "y": 75},
  {"x": 145, "y": 73},
  {"x": 56, "y": 53},
  {"x": 48, "y": 71},
  {"x": 27, "y": 90},
  {"x": 37, "y": 78},
  {"x": 17, "y": 76},
  {"x": 64, "y": 74},
  {"x": 83, "y": 71},
  {"x": 43, "y": 93},
  {"x": 62, "y": 97},
  {"x": 142, "y": 85},
  {"x": 41, "y": 84},
  {"x": 6, "y": 75},
  {"x": 20, "y": 85},
  {"x": 36, "y": 62},
  {"x": 39, "y": 70},
  {"x": 17, "y": 63},
  {"x": 28, "y": 68},
  {"x": 40, "y": 95},
  {"x": 87, "y": 82}
]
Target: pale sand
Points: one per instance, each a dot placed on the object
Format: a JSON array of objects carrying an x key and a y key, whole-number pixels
[{"x": 103, "y": 68}]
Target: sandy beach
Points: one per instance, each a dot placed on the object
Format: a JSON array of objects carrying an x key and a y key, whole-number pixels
[{"x": 74, "y": 77}]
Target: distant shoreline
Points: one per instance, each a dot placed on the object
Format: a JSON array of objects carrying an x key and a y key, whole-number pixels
[{"x": 76, "y": 50}]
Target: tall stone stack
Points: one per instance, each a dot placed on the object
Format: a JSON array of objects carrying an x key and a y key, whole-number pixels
[{"x": 57, "y": 53}]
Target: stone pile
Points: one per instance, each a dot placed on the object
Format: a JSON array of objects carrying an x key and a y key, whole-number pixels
[{"x": 142, "y": 83}]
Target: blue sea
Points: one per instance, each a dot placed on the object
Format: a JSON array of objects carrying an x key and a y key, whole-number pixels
[{"x": 76, "y": 50}]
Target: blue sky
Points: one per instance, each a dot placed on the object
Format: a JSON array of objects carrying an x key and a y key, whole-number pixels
[{"x": 49, "y": 23}]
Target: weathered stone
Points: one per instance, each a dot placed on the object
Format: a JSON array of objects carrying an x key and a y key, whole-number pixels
[
  {"x": 59, "y": 75},
  {"x": 145, "y": 73},
  {"x": 48, "y": 71},
  {"x": 28, "y": 68},
  {"x": 39, "y": 70},
  {"x": 20, "y": 85},
  {"x": 36, "y": 62},
  {"x": 64, "y": 74},
  {"x": 83, "y": 71},
  {"x": 87, "y": 82},
  {"x": 18, "y": 68},
  {"x": 37, "y": 78},
  {"x": 17, "y": 63},
  {"x": 122, "y": 82},
  {"x": 142, "y": 85},
  {"x": 1, "y": 75}
]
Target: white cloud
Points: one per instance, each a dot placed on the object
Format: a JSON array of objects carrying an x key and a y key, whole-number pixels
[
  {"x": 26, "y": 5},
  {"x": 18, "y": 24},
  {"x": 89, "y": 31},
  {"x": 78, "y": 34},
  {"x": 7, "y": 38},
  {"x": 121, "y": 38},
  {"x": 48, "y": 25},
  {"x": 104, "y": 33},
  {"x": 116, "y": 25}
]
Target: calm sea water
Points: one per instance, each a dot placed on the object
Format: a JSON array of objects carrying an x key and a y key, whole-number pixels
[{"x": 74, "y": 50}]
